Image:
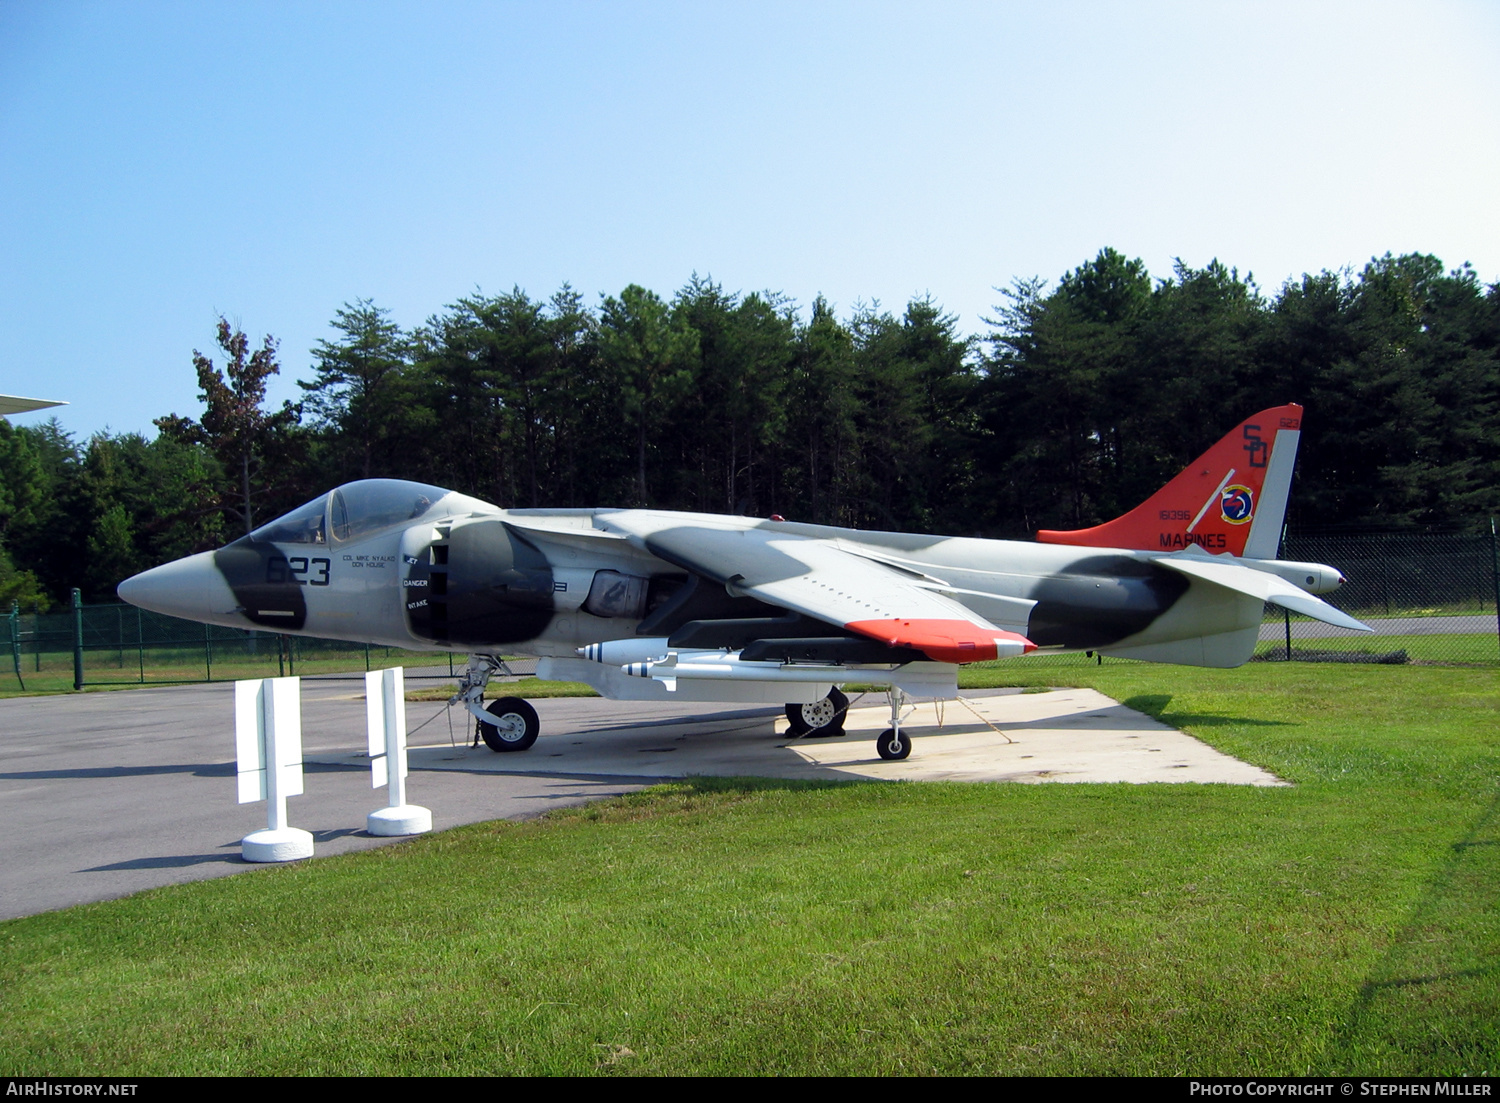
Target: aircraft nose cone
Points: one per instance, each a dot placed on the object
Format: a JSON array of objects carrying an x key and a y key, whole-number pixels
[{"x": 190, "y": 588}]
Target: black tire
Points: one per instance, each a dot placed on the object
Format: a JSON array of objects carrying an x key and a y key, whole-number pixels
[
  {"x": 515, "y": 728},
  {"x": 821, "y": 718},
  {"x": 891, "y": 746}
]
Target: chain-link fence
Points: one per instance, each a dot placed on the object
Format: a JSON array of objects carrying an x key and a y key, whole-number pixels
[
  {"x": 1429, "y": 597},
  {"x": 99, "y": 645}
]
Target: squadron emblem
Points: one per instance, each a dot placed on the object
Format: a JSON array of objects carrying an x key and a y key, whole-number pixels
[{"x": 1237, "y": 504}]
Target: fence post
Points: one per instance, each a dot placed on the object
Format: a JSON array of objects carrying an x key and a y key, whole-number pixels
[
  {"x": 1287, "y": 615},
  {"x": 140, "y": 642},
  {"x": 15, "y": 640},
  {"x": 77, "y": 639},
  {"x": 208, "y": 651},
  {"x": 1385, "y": 576},
  {"x": 1495, "y": 573}
]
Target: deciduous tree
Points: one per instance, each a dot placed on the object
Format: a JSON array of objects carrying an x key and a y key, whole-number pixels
[{"x": 236, "y": 430}]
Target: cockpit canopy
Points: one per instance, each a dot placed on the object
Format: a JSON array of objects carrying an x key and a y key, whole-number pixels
[{"x": 353, "y": 511}]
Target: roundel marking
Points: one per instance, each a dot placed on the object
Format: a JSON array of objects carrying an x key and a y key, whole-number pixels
[{"x": 1237, "y": 504}]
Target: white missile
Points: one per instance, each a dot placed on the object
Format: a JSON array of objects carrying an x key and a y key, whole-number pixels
[
  {"x": 720, "y": 664},
  {"x": 619, "y": 652},
  {"x": 693, "y": 659},
  {"x": 924, "y": 679}
]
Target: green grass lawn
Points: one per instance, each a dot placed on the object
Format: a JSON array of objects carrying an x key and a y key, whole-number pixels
[
  {"x": 499, "y": 687},
  {"x": 1347, "y": 924},
  {"x": 1481, "y": 648}
]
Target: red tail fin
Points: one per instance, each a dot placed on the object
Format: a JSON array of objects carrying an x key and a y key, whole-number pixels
[{"x": 1230, "y": 499}]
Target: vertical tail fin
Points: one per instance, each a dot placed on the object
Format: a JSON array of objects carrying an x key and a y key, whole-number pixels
[{"x": 1230, "y": 499}]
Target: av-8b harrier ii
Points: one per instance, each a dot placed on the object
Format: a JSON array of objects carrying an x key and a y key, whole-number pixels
[{"x": 652, "y": 605}]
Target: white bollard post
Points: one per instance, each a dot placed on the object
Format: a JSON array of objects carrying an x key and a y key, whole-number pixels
[
  {"x": 268, "y": 739},
  {"x": 385, "y": 719}
]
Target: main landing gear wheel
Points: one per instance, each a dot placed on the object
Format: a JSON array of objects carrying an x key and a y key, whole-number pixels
[
  {"x": 821, "y": 718},
  {"x": 893, "y": 743},
  {"x": 515, "y": 727}
]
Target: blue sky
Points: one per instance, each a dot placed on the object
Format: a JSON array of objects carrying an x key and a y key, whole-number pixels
[{"x": 162, "y": 163}]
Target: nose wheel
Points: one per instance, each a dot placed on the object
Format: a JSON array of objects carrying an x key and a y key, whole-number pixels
[{"x": 515, "y": 726}]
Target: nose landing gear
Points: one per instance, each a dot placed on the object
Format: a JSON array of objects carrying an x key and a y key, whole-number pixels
[{"x": 507, "y": 724}]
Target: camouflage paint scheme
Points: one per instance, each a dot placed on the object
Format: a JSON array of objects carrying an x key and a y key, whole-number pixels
[{"x": 1182, "y": 579}]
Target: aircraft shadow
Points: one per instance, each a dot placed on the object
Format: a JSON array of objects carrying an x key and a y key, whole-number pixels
[
  {"x": 1155, "y": 705},
  {"x": 1048, "y": 723}
]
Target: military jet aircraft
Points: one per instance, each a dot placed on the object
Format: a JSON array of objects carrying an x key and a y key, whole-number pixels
[{"x": 653, "y": 605}]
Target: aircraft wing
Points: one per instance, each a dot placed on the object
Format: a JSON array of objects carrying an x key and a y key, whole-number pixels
[
  {"x": 1267, "y": 587},
  {"x": 15, "y": 404},
  {"x": 817, "y": 579}
]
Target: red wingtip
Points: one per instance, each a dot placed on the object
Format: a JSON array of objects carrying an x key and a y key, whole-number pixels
[{"x": 1211, "y": 503}]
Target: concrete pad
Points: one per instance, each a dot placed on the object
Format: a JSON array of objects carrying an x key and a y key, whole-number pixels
[
  {"x": 1076, "y": 735},
  {"x": 1063, "y": 735}
]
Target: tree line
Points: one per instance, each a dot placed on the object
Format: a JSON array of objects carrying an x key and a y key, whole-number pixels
[{"x": 1078, "y": 401}]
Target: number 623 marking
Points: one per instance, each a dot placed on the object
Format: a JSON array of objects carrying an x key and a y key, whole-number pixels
[{"x": 295, "y": 569}]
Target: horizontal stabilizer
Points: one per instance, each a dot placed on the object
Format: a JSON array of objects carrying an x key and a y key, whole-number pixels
[{"x": 1267, "y": 587}]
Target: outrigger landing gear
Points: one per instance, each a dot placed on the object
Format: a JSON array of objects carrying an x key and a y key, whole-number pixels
[
  {"x": 508, "y": 724},
  {"x": 893, "y": 743}
]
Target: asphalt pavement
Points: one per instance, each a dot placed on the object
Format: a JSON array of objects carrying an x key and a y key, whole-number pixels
[
  {"x": 106, "y": 794},
  {"x": 1475, "y": 624}
]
